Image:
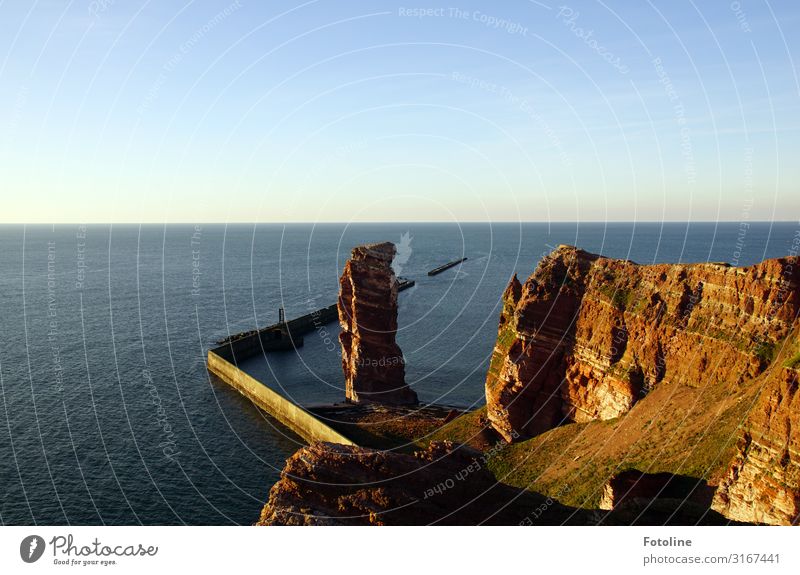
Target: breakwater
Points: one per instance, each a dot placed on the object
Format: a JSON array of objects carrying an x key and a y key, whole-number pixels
[
  {"x": 285, "y": 411},
  {"x": 284, "y": 335},
  {"x": 447, "y": 266},
  {"x": 223, "y": 361},
  {"x": 224, "y": 358},
  {"x": 280, "y": 336}
]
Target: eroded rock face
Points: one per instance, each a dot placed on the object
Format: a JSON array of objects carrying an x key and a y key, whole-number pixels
[
  {"x": 332, "y": 484},
  {"x": 586, "y": 337},
  {"x": 763, "y": 482},
  {"x": 634, "y": 486},
  {"x": 373, "y": 365}
]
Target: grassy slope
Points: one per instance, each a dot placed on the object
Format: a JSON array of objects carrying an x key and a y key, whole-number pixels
[
  {"x": 679, "y": 429},
  {"x": 466, "y": 429}
]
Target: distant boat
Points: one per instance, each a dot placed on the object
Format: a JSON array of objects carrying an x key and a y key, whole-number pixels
[{"x": 404, "y": 283}]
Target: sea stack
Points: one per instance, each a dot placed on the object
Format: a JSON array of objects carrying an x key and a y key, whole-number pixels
[{"x": 373, "y": 365}]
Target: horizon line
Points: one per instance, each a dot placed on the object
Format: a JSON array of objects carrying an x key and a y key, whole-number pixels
[{"x": 489, "y": 222}]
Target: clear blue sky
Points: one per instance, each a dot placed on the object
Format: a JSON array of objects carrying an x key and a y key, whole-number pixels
[{"x": 126, "y": 111}]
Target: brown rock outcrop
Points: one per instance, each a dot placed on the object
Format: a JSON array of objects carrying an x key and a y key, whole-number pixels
[
  {"x": 373, "y": 365},
  {"x": 763, "y": 482},
  {"x": 586, "y": 337},
  {"x": 332, "y": 484}
]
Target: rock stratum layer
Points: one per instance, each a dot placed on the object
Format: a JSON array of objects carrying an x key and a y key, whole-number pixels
[
  {"x": 589, "y": 338},
  {"x": 373, "y": 365},
  {"x": 763, "y": 482}
]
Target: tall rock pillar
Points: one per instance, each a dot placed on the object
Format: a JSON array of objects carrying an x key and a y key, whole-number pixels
[{"x": 373, "y": 365}]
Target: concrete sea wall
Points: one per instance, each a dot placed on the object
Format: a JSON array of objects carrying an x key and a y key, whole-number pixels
[
  {"x": 289, "y": 414},
  {"x": 224, "y": 358},
  {"x": 280, "y": 336}
]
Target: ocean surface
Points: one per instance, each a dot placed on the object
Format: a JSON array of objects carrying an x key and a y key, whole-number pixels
[{"x": 108, "y": 414}]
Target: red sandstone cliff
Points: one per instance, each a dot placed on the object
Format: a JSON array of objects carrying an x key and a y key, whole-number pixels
[
  {"x": 586, "y": 337},
  {"x": 695, "y": 365},
  {"x": 373, "y": 365},
  {"x": 763, "y": 482}
]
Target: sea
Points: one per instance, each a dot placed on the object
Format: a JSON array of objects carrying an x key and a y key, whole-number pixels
[{"x": 109, "y": 416}]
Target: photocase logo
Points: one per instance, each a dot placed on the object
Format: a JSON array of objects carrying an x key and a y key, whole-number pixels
[
  {"x": 403, "y": 253},
  {"x": 31, "y": 548}
]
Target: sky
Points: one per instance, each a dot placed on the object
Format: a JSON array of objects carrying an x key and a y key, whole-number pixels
[{"x": 286, "y": 111}]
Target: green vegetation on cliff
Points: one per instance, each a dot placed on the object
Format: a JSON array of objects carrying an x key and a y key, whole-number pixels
[{"x": 677, "y": 429}]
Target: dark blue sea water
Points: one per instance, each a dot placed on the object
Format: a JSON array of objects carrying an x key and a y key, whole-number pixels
[{"x": 108, "y": 414}]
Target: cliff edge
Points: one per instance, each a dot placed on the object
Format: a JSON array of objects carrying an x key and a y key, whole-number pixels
[
  {"x": 620, "y": 393},
  {"x": 589, "y": 338}
]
